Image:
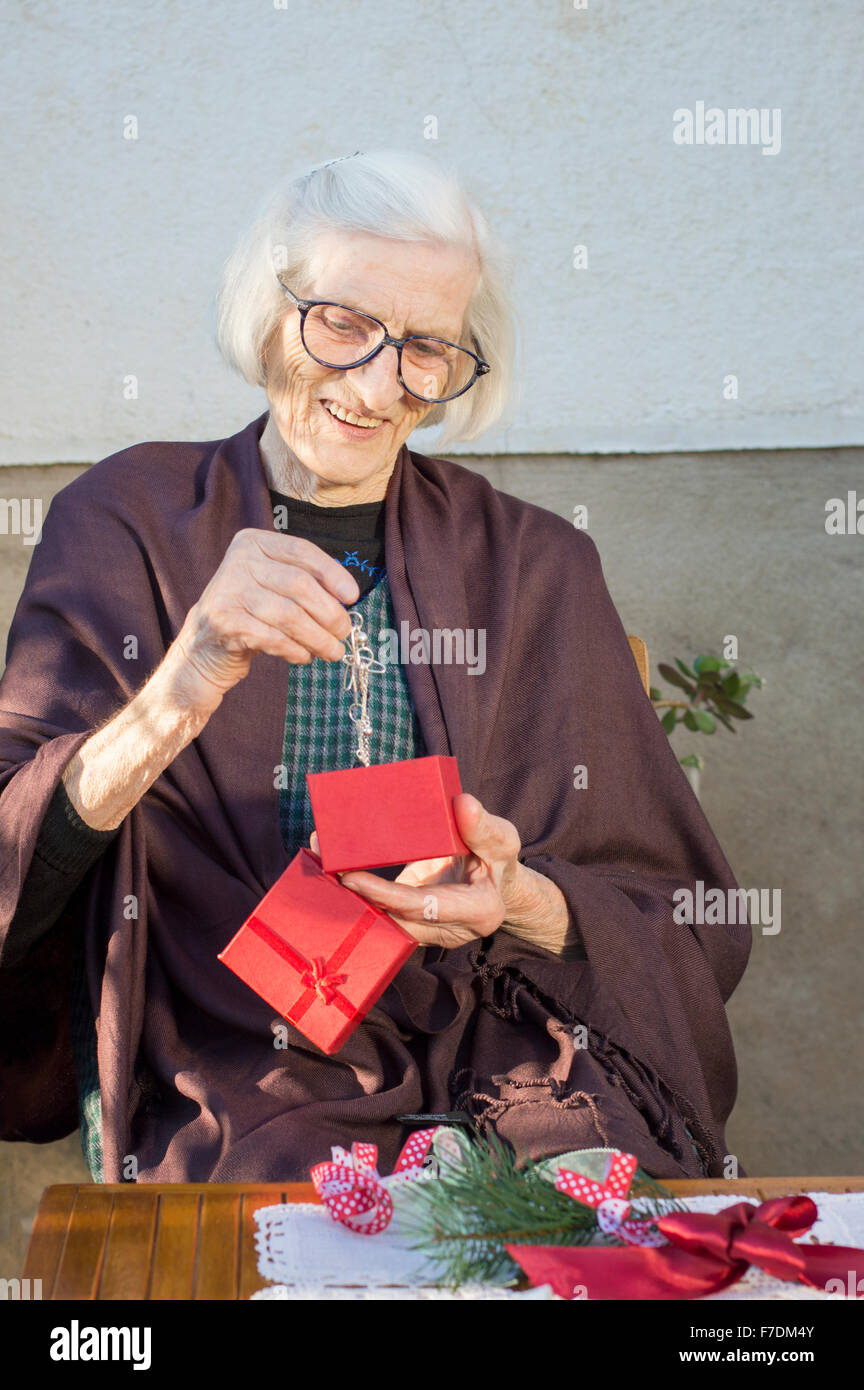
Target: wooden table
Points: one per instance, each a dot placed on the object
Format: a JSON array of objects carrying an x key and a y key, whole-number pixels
[{"x": 196, "y": 1240}]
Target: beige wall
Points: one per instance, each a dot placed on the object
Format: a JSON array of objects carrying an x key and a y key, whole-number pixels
[
  {"x": 696, "y": 547},
  {"x": 141, "y": 138}
]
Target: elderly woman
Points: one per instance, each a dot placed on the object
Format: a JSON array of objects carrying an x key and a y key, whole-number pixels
[{"x": 175, "y": 669}]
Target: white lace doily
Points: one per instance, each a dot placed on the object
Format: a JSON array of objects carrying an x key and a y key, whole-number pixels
[
  {"x": 316, "y": 1292},
  {"x": 308, "y": 1255},
  {"x": 302, "y": 1248}
]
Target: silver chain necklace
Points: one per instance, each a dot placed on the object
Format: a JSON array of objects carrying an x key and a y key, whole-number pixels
[{"x": 359, "y": 661}]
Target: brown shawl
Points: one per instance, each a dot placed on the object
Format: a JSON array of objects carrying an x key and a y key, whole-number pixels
[{"x": 127, "y": 548}]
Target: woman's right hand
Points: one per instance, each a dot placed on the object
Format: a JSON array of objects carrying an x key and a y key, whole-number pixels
[{"x": 271, "y": 593}]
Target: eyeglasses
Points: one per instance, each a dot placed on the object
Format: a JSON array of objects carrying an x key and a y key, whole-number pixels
[{"x": 432, "y": 369}]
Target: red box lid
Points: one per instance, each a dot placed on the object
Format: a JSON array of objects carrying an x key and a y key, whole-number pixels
[{"x": 388, "y": 813}]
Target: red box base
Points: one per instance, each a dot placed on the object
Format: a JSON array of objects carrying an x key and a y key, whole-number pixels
[{"x": 318, "y": 953}]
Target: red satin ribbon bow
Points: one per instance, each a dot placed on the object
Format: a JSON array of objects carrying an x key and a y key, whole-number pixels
[
  {"x": 610, "y": 1199},
  {"x": 706, "y": 1253},
  {"x": 316, "y": 977},
  {"x": 350, "y": 1186}
]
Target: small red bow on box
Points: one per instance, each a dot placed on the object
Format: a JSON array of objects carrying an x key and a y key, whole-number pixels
[
  {"x": 706, "y": 1253},
  {"x": 610, "y": 1200},
  {"x": 351, "y": 1188},
  {"x": 316, "y": 977}
]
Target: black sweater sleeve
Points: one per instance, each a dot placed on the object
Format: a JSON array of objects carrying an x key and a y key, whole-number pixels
[{"x": 65, "y": 849}]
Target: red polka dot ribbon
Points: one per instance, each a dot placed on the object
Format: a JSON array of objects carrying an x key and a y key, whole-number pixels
[
  {"x": 610, "y": 1199},
  {"x": 351, "y": 1188}
]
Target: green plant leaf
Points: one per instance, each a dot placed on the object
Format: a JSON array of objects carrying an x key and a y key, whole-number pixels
[
  {"x": 669, "y": 674},
  {"x": 749, "y": 681},
  {"x": 709, "y": 663},
  {"x": 704, "y": 721},
  {"x": 691, "y": 760},
  {"x": 669, "y": 720},
  {"x": 723, "y": 702},
  {"x": 690, "y": 721},
  {"x": 654, "y": 693},
  {"x": 685, "y": 670},
  {"x": 723, "y": 720},
  {"x": 736, "y": 710},
  {"x": 732, "y": 684}
]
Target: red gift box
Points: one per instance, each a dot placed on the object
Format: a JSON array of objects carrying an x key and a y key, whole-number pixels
[
  {"x": 389, "y": 813},
  {"x": 319, "y": 953}
]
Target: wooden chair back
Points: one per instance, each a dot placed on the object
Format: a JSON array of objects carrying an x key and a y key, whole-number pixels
[{"x": 640, "y": 656}]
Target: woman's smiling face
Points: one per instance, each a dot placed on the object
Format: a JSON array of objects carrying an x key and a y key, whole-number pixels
[{"x": 412, "y": 288}]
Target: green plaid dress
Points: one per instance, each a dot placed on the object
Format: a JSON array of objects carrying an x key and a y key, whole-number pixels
[
  {"x": 83, "y": 1030},
  {"x": 319, "y": 737}
]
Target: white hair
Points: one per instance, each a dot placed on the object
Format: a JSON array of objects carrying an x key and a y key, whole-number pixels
[{"x": 400, "y": 195}]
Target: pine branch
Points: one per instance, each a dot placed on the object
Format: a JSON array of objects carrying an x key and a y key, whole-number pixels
[{"x": 463, "y": 1218}]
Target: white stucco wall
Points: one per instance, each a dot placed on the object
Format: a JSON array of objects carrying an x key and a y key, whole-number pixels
[{"x": 703, "y": 260}]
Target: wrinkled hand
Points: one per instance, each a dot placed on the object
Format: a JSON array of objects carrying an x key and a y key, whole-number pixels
[{"x": 451, "y": 901}]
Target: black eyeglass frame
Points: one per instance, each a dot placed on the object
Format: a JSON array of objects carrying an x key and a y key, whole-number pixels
[{"x": 304, "y": 305}]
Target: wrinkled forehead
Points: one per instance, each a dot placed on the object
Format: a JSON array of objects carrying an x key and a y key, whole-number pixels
[{"x": 412, "y": 287}]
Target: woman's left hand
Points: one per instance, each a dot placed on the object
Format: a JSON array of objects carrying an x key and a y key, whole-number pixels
[{"x": 451, "y": 901}]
